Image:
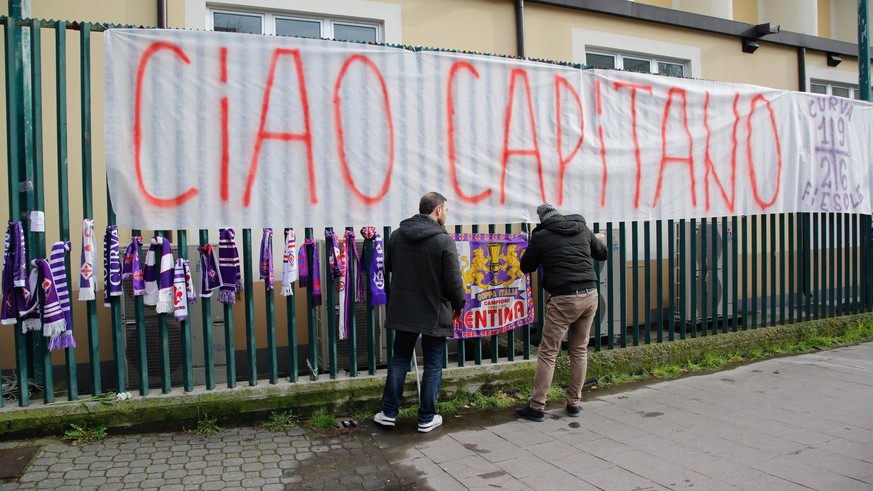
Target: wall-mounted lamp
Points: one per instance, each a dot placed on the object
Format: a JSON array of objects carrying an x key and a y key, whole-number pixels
[
  {"x": 749, "y": 45},
  {"x": 764, "y": 29},
  {"x": 834, "y": 59}
]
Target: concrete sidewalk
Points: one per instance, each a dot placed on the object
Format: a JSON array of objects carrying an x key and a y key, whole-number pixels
[{"x": 803, "y": 422}]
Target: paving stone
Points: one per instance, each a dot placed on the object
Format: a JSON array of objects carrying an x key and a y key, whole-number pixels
[
  {"x": 193, "y": 480},
  {"x": 93, "y": 481}
]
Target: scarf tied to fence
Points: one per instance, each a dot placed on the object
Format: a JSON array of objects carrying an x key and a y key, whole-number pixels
[
  {"x": 14, "y": 275},
  {"x": 183, "y": 289},
  {"x": 111, "y": 265},
  {"x": 228, "y": 267},
  {"x": 87, "y": 285},
  {"x": 265, "y": 261},
  {"x": 350, "y": 259},
  {"x": 375, "y": 267},
  {"x": 336, "y": 265},
  {"x": 59, "y": 273},
  {"x": 303, "y": 266},
  {"x": 131, "y": 268},
  {"x": 158, "y": 275},
  {"x": 210, "y": 275},
  {"x": 43, "y": 305},
  {"x": 289, "y": 263}
]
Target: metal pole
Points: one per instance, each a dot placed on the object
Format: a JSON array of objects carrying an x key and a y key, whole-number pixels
[{"x": 863, "y": 51}]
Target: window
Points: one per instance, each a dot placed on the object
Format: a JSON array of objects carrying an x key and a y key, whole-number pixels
[
  {"x": 636, "y": 63},
  {"x": 294, "y": 25},
  {"x": 837, "y": 89}
]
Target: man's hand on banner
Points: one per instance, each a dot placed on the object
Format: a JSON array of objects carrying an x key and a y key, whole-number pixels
[{"x": 600, "y": 236}]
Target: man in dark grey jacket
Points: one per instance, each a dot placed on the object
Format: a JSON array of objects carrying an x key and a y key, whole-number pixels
[
  {"x": 426, "y": 295},
  {"x": 566, "y": 249}
]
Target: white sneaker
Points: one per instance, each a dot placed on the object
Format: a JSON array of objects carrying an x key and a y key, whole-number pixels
[
  {"x": 383, "y": 420},
  {"x": 435, "y": 422}
]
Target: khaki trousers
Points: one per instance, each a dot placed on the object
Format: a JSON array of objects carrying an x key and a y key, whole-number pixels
[{"x": 576, "y": 313}]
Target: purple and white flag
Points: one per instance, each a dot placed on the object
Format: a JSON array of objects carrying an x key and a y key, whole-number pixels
[
  {"x": 87, "y": 284},
  {"x": 266, "y": 260},
  {"x": 111, "y": 265},
  {"x": 289, "y": 263}
]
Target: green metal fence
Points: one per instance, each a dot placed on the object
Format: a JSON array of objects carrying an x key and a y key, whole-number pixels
[{"x": 678, "y": 279}]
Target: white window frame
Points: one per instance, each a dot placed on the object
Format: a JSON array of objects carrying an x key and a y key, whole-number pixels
[
  {"x": 585, "y": 40},
  {"x": 832, "y": 77},
  {"x": 268, "y": 21},
  {"x": 653, "y": 61},
  {"x": 198, "y": 13}
]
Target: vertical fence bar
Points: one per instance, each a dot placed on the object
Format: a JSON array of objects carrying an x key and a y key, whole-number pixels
[
  {"x": 87, "y": 200},
  {"x": 270, "y": 318},
  {"x": 838, "y": 251},
  {"x": 671, "y": 280},
  {"x": 725, "y": 275},
  {"x": 330, "y": 309},
  {"x": 248, "y": 279},
  {"x": 142, "y": 342},
  {"x": 185, "y": 326},
  {"x": 462, "y": 347},
  {"x": 745, "y": 253},
  {"x": 693, "y": 279},
  {"x": 635, "y": 282},
  {"x": 815, "y": 289},
  {"x": 846, "y": 297},
  {"x": 782, "y": 286},
  {"x": 856, "y": 264},
  {"x": 164, "y": 337},
  {"x": 734, "y": 273},
  {"x": 622, "y": 280},
  {"x": 353, "y": 328},
  {"x": 773, "y": 265},
  {"x": 704, "y": 270},
  {"x": 389, "y": 333},
  {"x": 598, "y": 315},
  {"x": 63, "y": 184},
  {"x": 764, "y": 263},
  {"x": 807, "y": 267},
  {"x": 206, "y": 310},
  {"x": 659, "y": 274},
  {"x": 647, "y": 282},
  {"x": 477, "y": 342},
  {"x": 755, "y": 269},
  {"x": 495, "y": 345},
  {"x": 831, "y": 283},
  {"x": 610, "y": 290},
  {"x": 683, "y": 281},
  {"x": 229, "y": 346},
  {"x": 791, "y": 267},
  {"x": 41, "y": 345},
  {"x": 291, "y": 316},
  {"x": 510, "y": 334},
  {"x": 366, "y": 258},
  {"x": 310, "y": 311}
]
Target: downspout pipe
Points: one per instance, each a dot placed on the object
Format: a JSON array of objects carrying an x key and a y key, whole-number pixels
[
  {"x": 519, "y": 28},
  {"x": 801, "y": 70},
  {"x": 162, "y": 14}
]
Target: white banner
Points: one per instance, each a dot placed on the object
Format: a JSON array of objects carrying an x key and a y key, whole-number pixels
[{"x": 211, "y": 129}]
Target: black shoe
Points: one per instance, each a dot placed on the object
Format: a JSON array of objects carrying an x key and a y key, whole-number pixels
[
  {"x": 530, "y": 414},
  {"x": 574, "y": 411}
]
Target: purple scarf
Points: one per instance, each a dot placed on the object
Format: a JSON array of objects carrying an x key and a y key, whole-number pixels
[
  {"x": 111, "y": 265},
  {"x": 59, "y": 273},
  {"x": 131, "y": 268},
  {"x": 210, "y": 276},
  {"x": 303, "y": 267},
  {"x": 48, "y": 312},
  {"x": 266, "y": 259},
  {"x": 228, "y": 266},
  {"x": 376, "y": 267},
  {"x": 87, "y": 285},
  {"x": 183, "y": 290},
  {"x": 289, "y": 263},
  {"x": 159, "y": 275},
  {"x": 349, "y": 253},
  {"x": 14, "y": 275}
]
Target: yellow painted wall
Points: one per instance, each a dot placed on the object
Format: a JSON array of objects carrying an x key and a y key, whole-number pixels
[
  {"x": 824, "y": 18},
  {"x": 746, "y": 11},
  {"x": 134, "y": 12},
  {"x": 470, "y": 25}
]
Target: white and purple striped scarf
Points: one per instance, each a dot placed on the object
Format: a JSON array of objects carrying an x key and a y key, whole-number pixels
[
  {"x": 289, "y": 263},
  {"x": 159, "y": 276},
  {"x": 228, "y": 266},
  {"x": 375, "y": 269},
  {"x": 47, "y": 310},
  {"x": 132, "y": 268},
  {"x": 183, "y": 290},
  {"x": 87, "y": 284},
  {"x": 266, "y": 259},
  {"x": 59, "y": 273},
  {"x": 14, "y": 275},
  {"x": 111, "y": 265},
  {"x": 210, "y": 275}
]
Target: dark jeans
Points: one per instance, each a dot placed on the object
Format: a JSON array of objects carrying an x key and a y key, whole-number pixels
[{"x": 404, "y": 343}]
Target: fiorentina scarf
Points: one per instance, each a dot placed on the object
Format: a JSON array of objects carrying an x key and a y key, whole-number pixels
[
  {"x": 303, "y": 267},
  {"x": 289, "y": 263},
  {"x": 87, "y": 285},
  {"x": 14, "y": 275},
  {"x": 349, "y": 252},
  {"x": 132, "y": 267},
  {"x": 183, "y": 290},
  {"x": 336, "y": 264},
  {"x": 266, "y": 259},
  {"x": 59, "y": 273},
  {"x": 375, "y": 267},
  {"x": 111, "y": 265},
  {"x": 46, "y": 310},
  {"x": 228, "y": 267},
  {"x": 210, "y": 276},
  {"x": 158, "y": 275}
]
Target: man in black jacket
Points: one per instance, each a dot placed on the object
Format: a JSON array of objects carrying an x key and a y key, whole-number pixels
[
  {"x": 426, "y": 295},
  {"x": 566, "y": 249}
]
